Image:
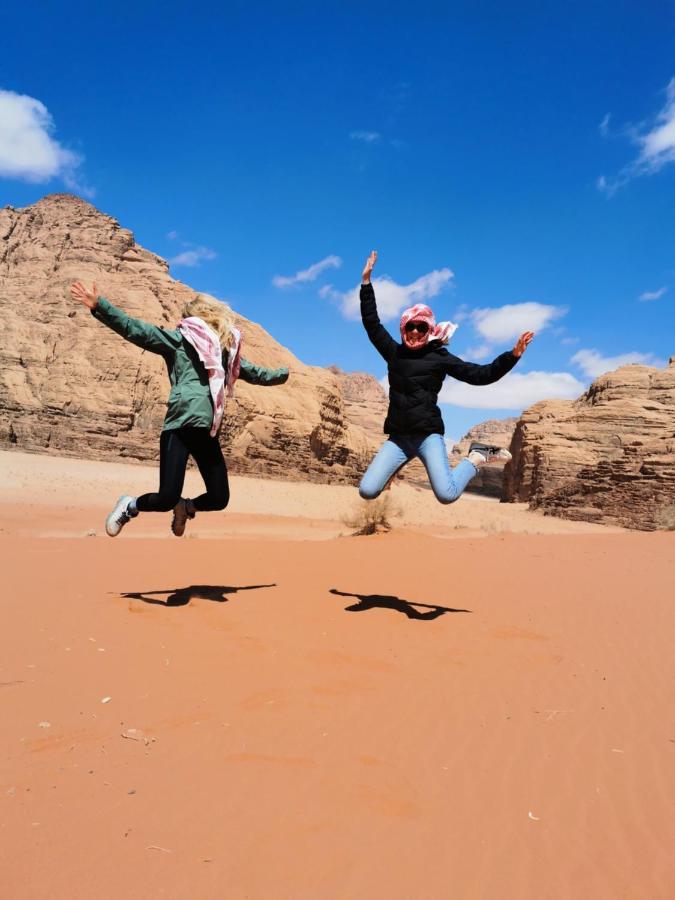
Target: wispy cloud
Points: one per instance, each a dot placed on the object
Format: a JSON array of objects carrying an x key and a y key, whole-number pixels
[
  {"x": 392, "y": 298},
  {"x": 28, "y": 149},
  {"x": 603, "y": 127},
  {"x": 172, "y": 235},
  {"x": 311, "y": 273},
  {"x": 367, "y": 137},
  {"x": 478, "y": 352},
  {"x": 592, "y": 363},
  {"x": 515, "y": 391},
  {"x": 653, "y": 295},
  {"x": 194, "y": 256},
  {"x": 505, "y": 323},
  {"x": 655, "y": 140}
]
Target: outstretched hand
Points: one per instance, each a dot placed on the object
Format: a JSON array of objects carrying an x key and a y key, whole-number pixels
[
  {"x": 522, "y": 343},
  {"x": 368, "y": 268},
  {"x": 87, "y": 298}
]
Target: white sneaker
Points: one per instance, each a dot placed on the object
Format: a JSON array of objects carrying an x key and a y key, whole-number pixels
[
  {"x": 181, "y": 514},
  {"x": 485, "y": 453},
  {"x": 119, "y": 517}
]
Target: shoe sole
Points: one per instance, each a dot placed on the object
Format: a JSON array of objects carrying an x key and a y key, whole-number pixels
[
  {"x": 499, "y": 458},
  {"x": 178, "y": 529},
  {"x": 503, "y": 455}
]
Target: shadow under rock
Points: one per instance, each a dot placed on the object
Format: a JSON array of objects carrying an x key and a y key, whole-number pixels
[
  {"x": 182, "y": 596},
  {"x": 407, "y": 607}
]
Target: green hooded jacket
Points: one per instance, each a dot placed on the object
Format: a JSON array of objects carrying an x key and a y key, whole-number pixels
[{"x": 190, "y": 401}]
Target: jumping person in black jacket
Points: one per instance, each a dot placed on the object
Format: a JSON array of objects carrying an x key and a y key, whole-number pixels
[{"x": 416, "y": 369}]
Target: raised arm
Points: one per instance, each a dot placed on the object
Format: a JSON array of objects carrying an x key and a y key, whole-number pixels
[
  {"x": 260, "y": 375},
  {"x": 149, "y": 337},
  {"x": 378, "y": 334},
  {"x": 472, "y": 373}
]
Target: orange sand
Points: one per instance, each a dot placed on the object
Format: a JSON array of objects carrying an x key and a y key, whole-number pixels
[{"x": 522, "y": 746}]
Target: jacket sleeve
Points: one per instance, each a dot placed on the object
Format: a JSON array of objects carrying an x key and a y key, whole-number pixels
[
  {"x": 378, "y": 334},
  {"x": 260, "y": 375},
  {"x": 149, "y": 337},
  {"x": 472, "y": 373}
]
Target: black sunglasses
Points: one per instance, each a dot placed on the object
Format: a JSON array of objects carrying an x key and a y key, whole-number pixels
[{"x": 422, "y": 327}]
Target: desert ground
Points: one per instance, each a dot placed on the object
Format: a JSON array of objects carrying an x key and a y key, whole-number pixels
[{"x": 477, "y": 705}]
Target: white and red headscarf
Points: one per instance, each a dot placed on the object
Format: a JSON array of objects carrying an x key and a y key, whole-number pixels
[
  {"x": 442, "y": 331},
  {"x": 207, "y": 344}
]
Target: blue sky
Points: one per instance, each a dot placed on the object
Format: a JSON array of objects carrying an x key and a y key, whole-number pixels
[{"x": 513, "y": 164}]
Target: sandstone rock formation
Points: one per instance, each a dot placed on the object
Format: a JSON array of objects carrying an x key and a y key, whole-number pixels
[
  {"x": 490, "y": 479},
  {"x": 607, "y": 457},
  {"x": 365, "y": 400},
  {"x": 70, "y": 386}
]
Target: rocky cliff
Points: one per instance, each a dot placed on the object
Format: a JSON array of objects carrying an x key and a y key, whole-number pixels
[
  {"x": 70, "y": 386},
  {"x": 607, "y": 457},
  {"x": 365, "y": 400}
]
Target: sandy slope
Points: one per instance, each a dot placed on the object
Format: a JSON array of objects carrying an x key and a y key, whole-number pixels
[{"x": 519, "y": 743}]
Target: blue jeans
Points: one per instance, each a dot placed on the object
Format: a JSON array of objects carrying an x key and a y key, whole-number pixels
[{"x": 447, "y": 484}]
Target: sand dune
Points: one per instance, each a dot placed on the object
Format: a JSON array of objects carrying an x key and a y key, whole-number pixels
[{"x": 397, "y": 716}]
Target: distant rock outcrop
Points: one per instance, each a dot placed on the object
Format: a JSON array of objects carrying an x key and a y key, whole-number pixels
[
  {"x": 490, "y": 479},
  {"x": 70, "y": 386},
  {"x": 607, "y": 457}
]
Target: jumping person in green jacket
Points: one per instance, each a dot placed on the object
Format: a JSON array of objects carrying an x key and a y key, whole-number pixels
[{"x": 203, "y": 360}]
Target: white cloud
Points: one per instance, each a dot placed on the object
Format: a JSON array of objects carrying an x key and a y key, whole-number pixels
[
  {"x": 461, "y": 313},
  {"x": 392, "y": 298},
  {"x": 505, "y": 323},
  {"x": 514, "y": 391},
  {"x": 309, "y": 274},
  {"x": 28, "y": 150},
  {"x": 592, "y": 363},
  {"x": 653, "y": 295},
  {"x": 656, "y": 143},
  {"x": 368, "y": 137},
  {"x": 482, "y": 351},
  {"x": 569, "y": 341},
  {"x": 603, "y": 127},
  {"x": 172, "y": 235},
  {"x": 193, "y": 257}
]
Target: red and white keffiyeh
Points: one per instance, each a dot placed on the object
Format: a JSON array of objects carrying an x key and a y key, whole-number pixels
[
  {"x": 442, "y": 331},
  {"x": 207, "y": 344}
]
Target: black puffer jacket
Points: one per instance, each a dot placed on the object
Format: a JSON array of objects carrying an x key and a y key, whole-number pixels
[{"x": 416, "y": 376}]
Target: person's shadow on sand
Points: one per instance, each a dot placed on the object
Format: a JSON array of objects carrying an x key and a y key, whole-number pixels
[
  {"x": 182, "y": 596},
  {"x": 408, "y": 607}
]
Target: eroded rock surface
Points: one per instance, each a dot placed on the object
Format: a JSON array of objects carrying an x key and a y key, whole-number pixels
[{"x": 607, "y": 457}]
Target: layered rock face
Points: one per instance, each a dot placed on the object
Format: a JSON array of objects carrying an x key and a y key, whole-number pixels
[
  {"x": 607, "y": 457},
  {"x": 365, "y": 400},
  {"x": 70, "y": 386},
  {"x": 490, "y": 479}
]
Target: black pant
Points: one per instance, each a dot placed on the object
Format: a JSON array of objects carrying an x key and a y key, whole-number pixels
[{"x": 175, "y": 447}]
